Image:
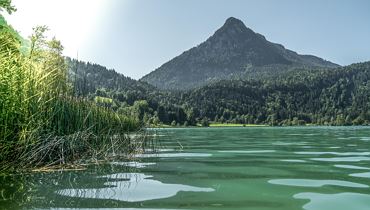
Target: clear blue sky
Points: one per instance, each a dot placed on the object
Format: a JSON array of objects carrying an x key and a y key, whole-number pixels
[{"x": 136, "y": 36}]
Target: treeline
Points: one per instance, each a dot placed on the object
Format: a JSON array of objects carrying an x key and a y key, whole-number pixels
[
  {"x": 323, "y": 97},
  {"x": 338, "y": 96},
  {"x": 127, "y": 96}
]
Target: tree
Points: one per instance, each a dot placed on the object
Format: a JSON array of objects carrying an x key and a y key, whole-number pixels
[
  {"x": 295, "y": 121},
  {"x": 57, "y": 64},
  {"x": 146, "y": 119},
  {"x": 38, "y": 41},
  {"x": 141, "y": 107},
  {"x": 205, "y": 122},
  {"x": 7, "y": 6},
  {"x": 340, "y": 120},
  {"x": 162, "y": 114},
  {"x": 156, "y": 120}
]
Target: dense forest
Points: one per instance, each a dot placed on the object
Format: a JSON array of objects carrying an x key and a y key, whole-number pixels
[
  {"x": 323, "y": 97},
  {"x": 319, "y": 96}
]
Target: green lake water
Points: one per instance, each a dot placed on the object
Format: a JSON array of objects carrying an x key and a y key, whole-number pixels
[{"x": 257, "y": 168}]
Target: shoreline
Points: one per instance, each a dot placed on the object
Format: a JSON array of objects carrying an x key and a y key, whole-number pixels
[{"x": 219, "y": 125}]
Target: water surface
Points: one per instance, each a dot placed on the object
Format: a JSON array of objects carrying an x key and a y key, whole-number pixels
[{"x": 312, "y": 168}]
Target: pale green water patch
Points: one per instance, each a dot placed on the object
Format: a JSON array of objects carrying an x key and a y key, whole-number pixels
[
  {"x": 335, "y": 153},
  {"x": 247, "y": 151},
  {"x": 294, "y": 161},
  {"x": 339, "y": 201},
  {"x": 362, "y": 175},
  {"x": 171, "y": 155},
  {"x": 365, "y": 139},
  {"x": 133, "y": 164},
  {"x": 352, "y": 167},
  {"x": 343, "y": 159},
  {"x": 315, "y": 183}
]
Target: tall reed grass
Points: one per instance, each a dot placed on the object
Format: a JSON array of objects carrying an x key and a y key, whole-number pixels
[{"x": 41, "y": 122}]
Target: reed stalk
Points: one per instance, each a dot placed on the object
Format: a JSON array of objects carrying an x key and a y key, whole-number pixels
[{"x": 41, "y": 121}]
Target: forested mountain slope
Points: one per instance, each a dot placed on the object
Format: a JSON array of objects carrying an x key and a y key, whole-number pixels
[
  {"x": 125, "y": 95},
  {"x": 334, "y": 96},
  {"x": 339, "y": 96},
  {"x": 89, "y": 77}
]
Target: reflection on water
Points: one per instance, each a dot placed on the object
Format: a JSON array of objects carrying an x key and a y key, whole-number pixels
[
  {"x": 103, "y": 209},
  {"x": 343, "y": 159},
  {"x": 362, "y": 175},
  {"x": 279, "y": 143},
  {"x": 133, "y": 164},
  {"x": 312, "y": 168},
  {"x": 352, "y": 167},
  {"x": 131, "y": 187},
  {"x": 294, "y": 161},
  {"x": 315, "y": 183},
  {"x": 365, "y": 138},
  {"x": 339, "y": 201},
  {"x": 167, "y": 155},
  {"x": 335, "y": 153},
  {"x": 248, "y": 151}
]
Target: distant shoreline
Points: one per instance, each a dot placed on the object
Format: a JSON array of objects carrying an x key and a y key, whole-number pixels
[{"x": 235, "y": 125}]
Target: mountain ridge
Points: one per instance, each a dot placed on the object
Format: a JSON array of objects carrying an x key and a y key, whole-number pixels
[{"x": 231, "y": 50}]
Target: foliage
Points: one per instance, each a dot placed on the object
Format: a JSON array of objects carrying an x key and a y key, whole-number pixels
[
  {"x": 7, "y": 6},
  {"x": 324, "y": 97},
  {"x": 296, "y": 96},
  {"x": 127, "y": 96},
  {"x": 41, "y": 121}
]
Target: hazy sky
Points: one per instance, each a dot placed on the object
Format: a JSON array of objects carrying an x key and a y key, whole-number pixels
[{"x": 136, "y": 36}]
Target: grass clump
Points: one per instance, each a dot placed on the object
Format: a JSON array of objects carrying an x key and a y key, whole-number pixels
[{"x": 41, "y": 121}]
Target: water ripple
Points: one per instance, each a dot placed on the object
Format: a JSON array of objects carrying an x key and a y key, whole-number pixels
[
  {"x": 343, "y": 159},
  {"x": 315, "y": 183},
  {"x": 132, "y": 187}
]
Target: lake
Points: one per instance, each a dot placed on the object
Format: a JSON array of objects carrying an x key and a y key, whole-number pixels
[{"x": 258, "y": 168}]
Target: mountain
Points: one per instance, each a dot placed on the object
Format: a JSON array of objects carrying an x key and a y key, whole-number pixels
[
  {"x": 233, "y": 51},
  {"x": 124, "y": 95},
  {"x": 88, "y": 77},
  {"x": 321, "y": 96}
]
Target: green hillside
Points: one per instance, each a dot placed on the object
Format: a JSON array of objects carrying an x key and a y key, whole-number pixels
[
  {"x": 318, "y": 96},
  {"x": 325, "y": 97}
]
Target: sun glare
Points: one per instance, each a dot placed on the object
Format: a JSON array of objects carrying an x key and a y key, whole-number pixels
[{"x": 70, "y": 21}]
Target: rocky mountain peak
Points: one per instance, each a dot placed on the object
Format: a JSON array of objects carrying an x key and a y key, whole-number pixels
[
  {"x": 234, "y": 27},
  {"x": 230, "y": 51}
]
